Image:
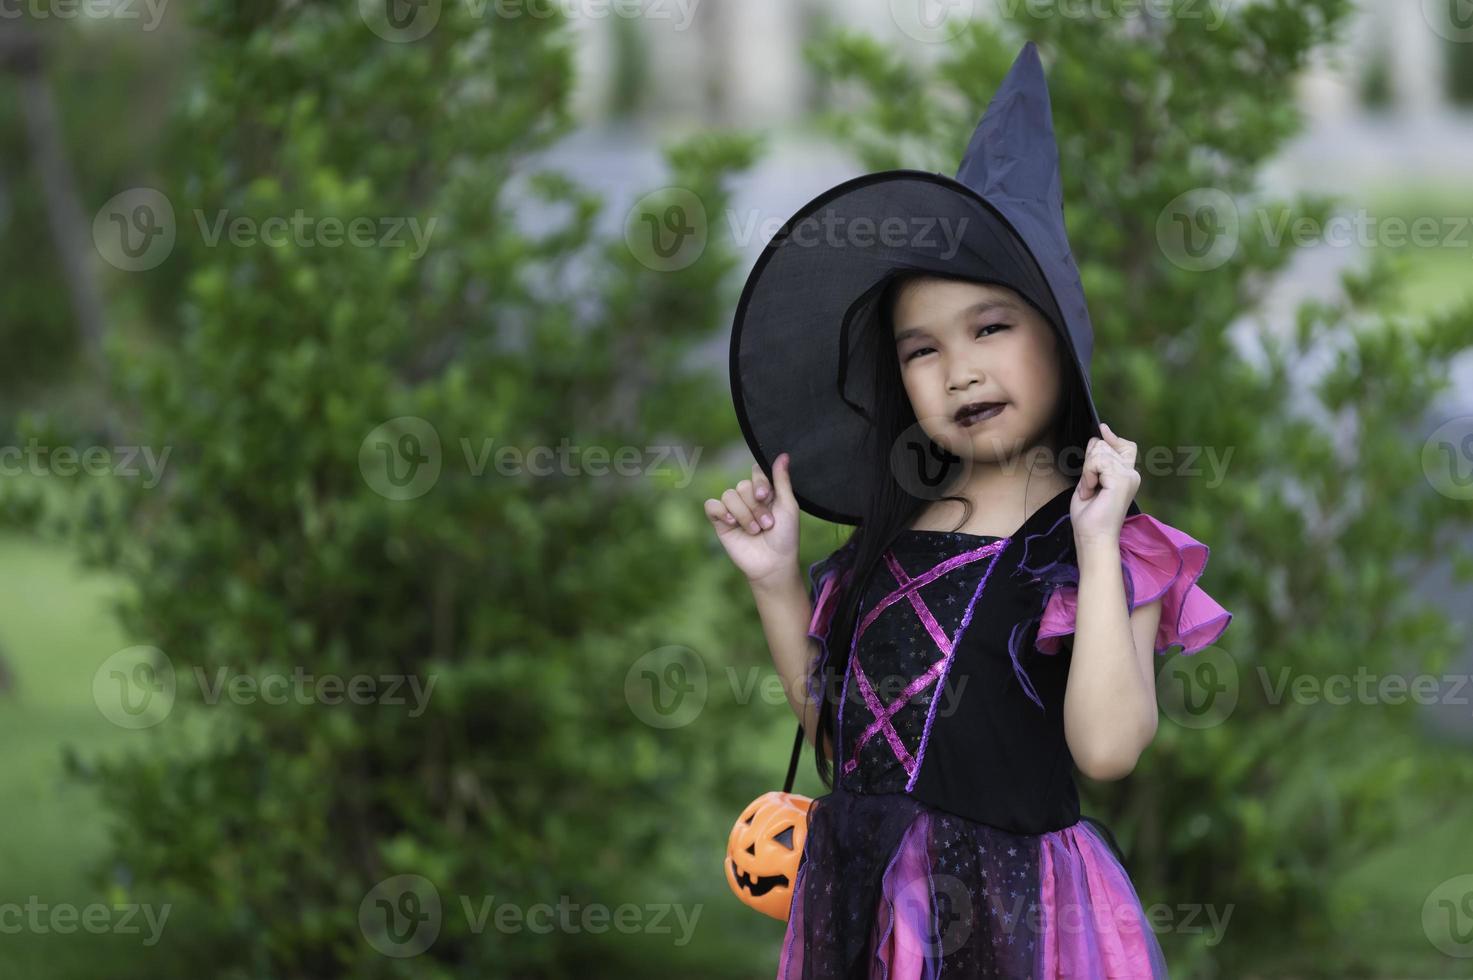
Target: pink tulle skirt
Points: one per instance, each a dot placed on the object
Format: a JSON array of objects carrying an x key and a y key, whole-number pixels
[{"x": 890, "y": 889}]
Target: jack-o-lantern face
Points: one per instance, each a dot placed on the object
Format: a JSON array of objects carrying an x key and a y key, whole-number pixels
[{"x": 764, "y": 850}]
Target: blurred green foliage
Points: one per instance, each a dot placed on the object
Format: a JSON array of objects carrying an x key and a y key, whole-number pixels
[
  {"x": 276, "y": 542},
  {"x": 110, "y": 83}
]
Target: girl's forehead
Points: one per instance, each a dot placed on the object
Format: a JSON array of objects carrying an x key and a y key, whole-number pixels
[{"x": 933, "y": 302}]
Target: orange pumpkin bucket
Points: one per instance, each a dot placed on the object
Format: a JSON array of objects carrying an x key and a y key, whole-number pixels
[
  {"x": 764, "y": 849},
  {"x": 765, "y": 846}
]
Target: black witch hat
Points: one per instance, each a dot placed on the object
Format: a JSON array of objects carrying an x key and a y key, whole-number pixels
[{"x": 798, "y": 368}]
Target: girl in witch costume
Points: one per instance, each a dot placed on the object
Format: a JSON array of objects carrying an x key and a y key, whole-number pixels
[{"x": 911, "y": 353}]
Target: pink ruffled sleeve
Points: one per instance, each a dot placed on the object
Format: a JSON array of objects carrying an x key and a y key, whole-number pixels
[
  {"x": 825, "y": 581},
  {"x": 823, "y": 607},
  {"x": 1159, "y": 562}
]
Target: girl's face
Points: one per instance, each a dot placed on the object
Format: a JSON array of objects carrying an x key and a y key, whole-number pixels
[{"x": 961, "y": 343}]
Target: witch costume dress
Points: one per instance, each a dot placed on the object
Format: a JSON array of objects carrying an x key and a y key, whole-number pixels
[{"x": 952, "y": 844}]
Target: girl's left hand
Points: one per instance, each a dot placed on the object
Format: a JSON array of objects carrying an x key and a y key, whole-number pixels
[{"x": 1106, "y": 487}]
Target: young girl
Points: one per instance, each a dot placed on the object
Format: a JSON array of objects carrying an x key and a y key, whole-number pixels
[{"x": 991, "y": 624}]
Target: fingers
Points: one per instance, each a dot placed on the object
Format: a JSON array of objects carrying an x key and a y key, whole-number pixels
[
  {"x": 738, "y": 514},
  {"x": 1089, "y": 477},
  {"x": 729, "y": 511},
  {"x": 743, "y": 507},
  {"x": 718, "y": 513},
  {"x": 1102, "y": 458},
  {"x": 783, "y": 484},
  {"x": 748, "y": 505},
  {"x": 1124, "y": 447},
  {"x": 761, "y": 486}
]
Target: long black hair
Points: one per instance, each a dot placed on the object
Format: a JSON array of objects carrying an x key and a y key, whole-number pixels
[{"x": 892, "y": 506}]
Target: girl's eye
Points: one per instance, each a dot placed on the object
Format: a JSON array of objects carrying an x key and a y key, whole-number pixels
[{"x": 982, "y": 331}]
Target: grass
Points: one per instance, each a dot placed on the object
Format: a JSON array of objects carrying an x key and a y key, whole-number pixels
[
  {"x": 54, "y": 629},
  {"x": 1401, "y": 875},
  {"x": 1437, "y": 275}
]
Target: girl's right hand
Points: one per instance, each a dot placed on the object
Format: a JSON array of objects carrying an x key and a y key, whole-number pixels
[{"x": 757, "y": 523}]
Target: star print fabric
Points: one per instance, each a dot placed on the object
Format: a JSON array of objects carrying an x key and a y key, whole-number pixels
[{"x": 915, "y": 613}]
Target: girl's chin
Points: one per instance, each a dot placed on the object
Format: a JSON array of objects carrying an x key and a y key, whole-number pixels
[{"x": 978, "y": 442}]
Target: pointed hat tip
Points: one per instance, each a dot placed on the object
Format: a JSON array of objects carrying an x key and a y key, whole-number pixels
[
  {"x": 1017, "y": 125},
  {"x": 1027, "y": 55}
]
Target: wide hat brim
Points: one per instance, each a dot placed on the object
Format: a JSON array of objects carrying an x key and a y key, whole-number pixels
[{"x": 799, "y": 378}]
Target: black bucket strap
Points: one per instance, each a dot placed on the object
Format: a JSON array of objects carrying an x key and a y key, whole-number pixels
[{"x": 793, "y": 762}]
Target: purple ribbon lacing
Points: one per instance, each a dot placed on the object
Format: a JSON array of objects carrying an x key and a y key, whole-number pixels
[{"x": 1052, "y": 575}]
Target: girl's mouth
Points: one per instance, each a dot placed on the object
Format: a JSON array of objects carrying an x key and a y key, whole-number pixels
[{"x": 970, "y": 415}]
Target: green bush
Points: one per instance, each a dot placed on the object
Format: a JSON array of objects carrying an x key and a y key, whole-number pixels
[{"x": 278, "y": 541}]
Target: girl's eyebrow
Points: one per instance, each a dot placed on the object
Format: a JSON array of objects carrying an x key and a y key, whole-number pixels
[{"x": 979, "y": 307}]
